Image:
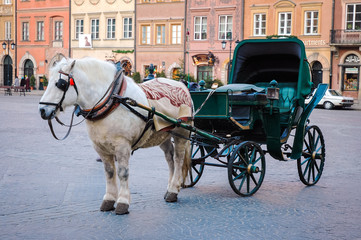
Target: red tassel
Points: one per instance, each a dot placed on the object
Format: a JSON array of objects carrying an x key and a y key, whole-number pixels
[{"x": 72, "y": 82}]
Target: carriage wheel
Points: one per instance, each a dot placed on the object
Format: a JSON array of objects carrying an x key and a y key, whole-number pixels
[
  {"x": 310, "y": 165},
  {"x": 246, "y": 168},
  {"x": 197, "y": 166}
]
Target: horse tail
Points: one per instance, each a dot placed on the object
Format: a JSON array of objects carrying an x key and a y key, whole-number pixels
[{"x": 187, "y": 160}]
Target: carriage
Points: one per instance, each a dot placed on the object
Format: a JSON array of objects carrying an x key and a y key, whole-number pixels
[{"x": 262, "y": 110}]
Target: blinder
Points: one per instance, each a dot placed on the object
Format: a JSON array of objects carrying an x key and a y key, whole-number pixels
[{"x": 63, "y": 85}]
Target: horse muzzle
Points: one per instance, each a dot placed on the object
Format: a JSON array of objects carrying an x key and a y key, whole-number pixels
[{"x": 47, "y": 112}]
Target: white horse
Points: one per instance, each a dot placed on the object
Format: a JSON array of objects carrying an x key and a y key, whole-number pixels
[{"x": 84, "y": 82}]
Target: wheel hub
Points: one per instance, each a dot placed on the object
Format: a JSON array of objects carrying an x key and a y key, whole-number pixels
[
  {"x": 252, "y": 169},
  {"x": 314, "y": 155}
]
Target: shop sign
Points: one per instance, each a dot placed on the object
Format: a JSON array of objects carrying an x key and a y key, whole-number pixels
[{"x": 351, "y": 70}]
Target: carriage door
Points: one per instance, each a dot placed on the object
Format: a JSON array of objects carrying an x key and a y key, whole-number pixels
[
  {"x": 317, "y": 73},
  {"x": 8, "y": 71}
]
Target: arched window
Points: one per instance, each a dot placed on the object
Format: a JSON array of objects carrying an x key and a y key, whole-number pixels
[
  {"x": 317, "y": 73},
  {"x": 28, "y": 68},
  {"x": 8, "y": 71}
]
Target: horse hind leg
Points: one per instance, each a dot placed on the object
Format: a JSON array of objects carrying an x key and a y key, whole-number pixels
[
  {"x": 180, "y": 162},
  {"x": 168, "y": 150}
]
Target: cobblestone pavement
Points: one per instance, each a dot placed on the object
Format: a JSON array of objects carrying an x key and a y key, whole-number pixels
[{"x": 53, "y": 190}]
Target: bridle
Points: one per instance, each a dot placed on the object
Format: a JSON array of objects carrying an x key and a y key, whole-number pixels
[{"x": 63, "y": 85}]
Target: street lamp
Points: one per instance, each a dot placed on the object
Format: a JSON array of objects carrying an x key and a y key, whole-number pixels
[
  {"x": 7, "y": 43},
  {"x": 224, "y": 43}
]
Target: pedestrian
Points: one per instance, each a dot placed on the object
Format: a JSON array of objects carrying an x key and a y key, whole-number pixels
[
  {"x": 17, "y": 83},
  {"x": 27, "y": 83},
  {"x": 22, "y": 82}
]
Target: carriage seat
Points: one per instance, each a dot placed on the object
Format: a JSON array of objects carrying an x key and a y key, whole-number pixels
[{"x": 287, "y": 99}]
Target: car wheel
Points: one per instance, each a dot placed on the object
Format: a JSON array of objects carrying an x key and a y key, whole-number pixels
[{"x": 328, "y": 105}]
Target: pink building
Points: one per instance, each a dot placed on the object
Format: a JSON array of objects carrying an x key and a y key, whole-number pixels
[
  {"x": 160, "y": 36},
  {"x": 209, "y": 23},
  {"x": 42, "y": 36}
]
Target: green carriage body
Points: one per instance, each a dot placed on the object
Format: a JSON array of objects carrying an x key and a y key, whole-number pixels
[{"x": 241, "y": 108}]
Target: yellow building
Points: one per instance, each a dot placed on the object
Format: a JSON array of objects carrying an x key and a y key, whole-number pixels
[
  {"x": 309, "y": 20},
  {"x": 104, "y": 30},
  {"x": 7, "y": 40}
]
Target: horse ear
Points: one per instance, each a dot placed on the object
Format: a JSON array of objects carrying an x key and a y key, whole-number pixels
[{"x": 72, "y": 65}]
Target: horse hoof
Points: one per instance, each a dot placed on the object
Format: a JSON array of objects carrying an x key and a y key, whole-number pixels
[
  {"x": 121, "y": 209},
  {"x": 171, "y": 197},
  {"x": 107, "y": 205}
]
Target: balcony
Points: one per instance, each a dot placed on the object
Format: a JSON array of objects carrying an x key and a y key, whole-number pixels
[{"x": 345, "y": 37}]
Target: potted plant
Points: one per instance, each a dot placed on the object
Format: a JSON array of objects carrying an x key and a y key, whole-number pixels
[
  {"x": 32, "y": 82},
  {"x": 45, "y": 82}
]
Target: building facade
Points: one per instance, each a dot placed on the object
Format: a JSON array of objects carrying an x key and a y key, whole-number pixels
[
  {"x": 346, "y": 47},
  {"x": 42, "y": 36},
  {"x": 7, "y": 39},
  {"x": 308, "y": 20},
  {"x": 209, "y": 23},
  {"x": 160, "y": 36},
  {"x": 104, "y": 30}
]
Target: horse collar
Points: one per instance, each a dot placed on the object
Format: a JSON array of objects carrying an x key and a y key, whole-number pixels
[{"x": 105, "y": 107}]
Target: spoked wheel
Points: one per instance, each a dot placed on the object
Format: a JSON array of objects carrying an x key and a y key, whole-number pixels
[
  {"x": 310, "y": 165},
  {"x": 197, "y": 166},
  {"x": 246, "y": 168}
]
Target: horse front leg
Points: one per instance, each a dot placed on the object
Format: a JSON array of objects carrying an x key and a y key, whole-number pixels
[
  {"x": 111, "y": 190},
  {"x": 123, "y": 200}
]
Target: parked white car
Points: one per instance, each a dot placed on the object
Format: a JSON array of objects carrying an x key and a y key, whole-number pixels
[{"x": 331, "y": 99}]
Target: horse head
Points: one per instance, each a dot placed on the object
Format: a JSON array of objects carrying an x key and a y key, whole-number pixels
[{"x": 61, "y": 91}]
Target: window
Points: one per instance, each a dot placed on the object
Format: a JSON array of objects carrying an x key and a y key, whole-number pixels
[
  {"x": 94, "y": 28},
  {"x": 7, "y": 2},
  {"x": 79, "y": 27},
  {"x": 7, "y": 30},
  {"x": 311, "y": 23},
  {"x": 351, "y": 73},
  {"x": 204, "y": 72},
  {"x": 58, "y": 31},
  {"x": 40, "y": 31},
  {"x": 225, "y": 27},
  {"x": 200, "y": 28},
  {"x": 176, "y": 34},
  {"x": 128, "y": 27},
  {"x": 145, "y": 34},
  {"x": 25, "y": 31},
  {"x": 160, "y": 34},
  {"x": 353, "y": 19},
  {"x": 111, "y": 28},
  {"x": 284, "y": 23},
  {"x": 259, "y": 24}
]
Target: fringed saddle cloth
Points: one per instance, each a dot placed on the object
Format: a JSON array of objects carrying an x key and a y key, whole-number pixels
[{"x": 169, "y": 97}]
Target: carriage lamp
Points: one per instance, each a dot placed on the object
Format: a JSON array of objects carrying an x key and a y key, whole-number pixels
[
  {"x": 201, "y": 84},
  {"x": 273, "y": 92}
]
